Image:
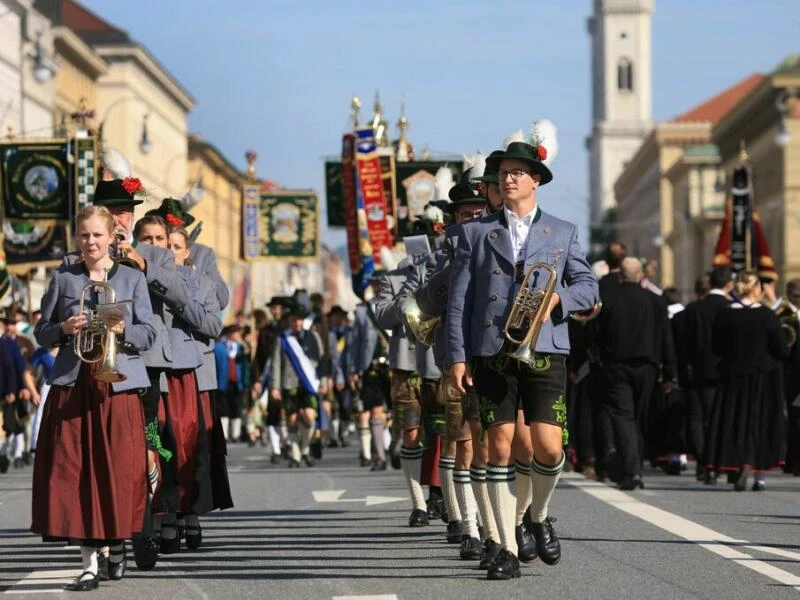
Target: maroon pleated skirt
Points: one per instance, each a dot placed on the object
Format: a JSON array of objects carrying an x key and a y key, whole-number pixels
[
  {"x": 90, "y": 473},
  {"x": 184, "y": 415}
]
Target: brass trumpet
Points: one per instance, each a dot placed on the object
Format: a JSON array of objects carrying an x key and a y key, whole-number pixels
[
  {"x": 422, "y": 325},
  {"x": 94, "y": 342},
  {"x": 120, "y": 256},
  {"x": 527, "y": 313}
]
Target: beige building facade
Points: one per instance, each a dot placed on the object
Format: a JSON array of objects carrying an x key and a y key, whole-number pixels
[{"x": 671, "y": 195}]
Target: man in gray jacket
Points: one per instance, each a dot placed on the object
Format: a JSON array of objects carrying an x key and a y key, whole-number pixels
[{"x": 492, "y": 257}]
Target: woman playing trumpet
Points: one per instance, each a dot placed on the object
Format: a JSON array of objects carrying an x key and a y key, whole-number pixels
[{"x": 90, "y": 470}]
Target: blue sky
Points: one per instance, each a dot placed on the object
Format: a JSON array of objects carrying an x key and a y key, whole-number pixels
[{"x": 277, "y": 76}]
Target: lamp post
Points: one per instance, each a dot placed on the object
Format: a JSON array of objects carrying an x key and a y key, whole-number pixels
[{"x": 145, "y": 145}]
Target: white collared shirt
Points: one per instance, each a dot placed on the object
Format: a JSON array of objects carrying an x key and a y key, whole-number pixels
[{"x": 519, "y": 229}]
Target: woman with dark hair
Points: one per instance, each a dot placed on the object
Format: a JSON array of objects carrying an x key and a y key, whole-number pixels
[{"x": 746, "y": 432}]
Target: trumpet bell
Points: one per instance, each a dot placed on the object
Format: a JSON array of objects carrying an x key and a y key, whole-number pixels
[
  {"x": 108, "y": 375},
  {"x": 422, "y": 325}
]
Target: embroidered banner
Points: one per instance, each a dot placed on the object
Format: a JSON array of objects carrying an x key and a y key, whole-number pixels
[
  {"x": 34, "y": 181},
  {"x": 85, "y": 170},
  {"x": 359, "y": 248},
  {"x": 369, "y": 185}
]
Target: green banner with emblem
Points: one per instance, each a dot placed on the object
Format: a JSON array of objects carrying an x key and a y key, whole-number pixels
[
  {"x": 282, "y": 225},
  {"x": 35, "y": 180}
]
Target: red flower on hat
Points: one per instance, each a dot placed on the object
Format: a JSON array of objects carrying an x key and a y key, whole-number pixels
[
  {"x": 132, "y": 185},
  {"x": 541, "y": 151},
  {"x": 174, "y": 221},
  {"x": 438, "y": 227}
]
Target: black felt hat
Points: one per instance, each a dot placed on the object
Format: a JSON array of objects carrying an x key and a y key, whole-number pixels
[
  {"x": 490, "y": 173},
  {"x": 118, "y": 192},
  {"x": 463, "y": 192},
  {"x": 533, "y": 155},
  {"x": 283, "y": 301},
  {"x": 172, "y": 212}
]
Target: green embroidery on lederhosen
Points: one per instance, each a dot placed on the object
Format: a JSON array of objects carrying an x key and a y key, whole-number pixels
[
  {"x": 560, "y": 410},
  {"x": 487, "y": 408},
  {"x": 541, "y": 363},
  {"x": 564, "y": 436},
  {"x": 152, "y": 436}
]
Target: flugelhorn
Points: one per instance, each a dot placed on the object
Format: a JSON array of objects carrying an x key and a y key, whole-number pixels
[
  {"x": 94, "y": 342},
  {"x": 527, "y": 312}
]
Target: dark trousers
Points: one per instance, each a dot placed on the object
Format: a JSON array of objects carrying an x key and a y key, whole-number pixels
[
  {"x": 604, "y": 444},
  {"x": 629, "y": 390},
  {"x": 580, "y": 419},
  {"x": 699, "y": 400}
]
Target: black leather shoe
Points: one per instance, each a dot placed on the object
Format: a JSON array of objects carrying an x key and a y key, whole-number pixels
[
  {"x": 145, "y": 552},
  {"x": 759, "y": 486},
  {"x": 293, "y": 463},
  {"x": 274, "y": 459},
  {"x": 418, "y": 518},
  {"x": 396, "y": 462},
  {"x": 170, "y": 545},
  {"x": 436, "y": 507},
  {"x": 117, "y": 568},
  {"x": 526, "y": 543},
  {"x": 454, "y": 532},
  {"x": 309, "y": 461},
  {"x": 18, "y": 464},
  {"x": 631, "y": 483},
  {"x": 490, "y": 551},
  {"x": 378, "y": 465},
  {"x": 505, "y": 566},
  {"x": 673, "y": 468},
  {"x": 4, "y": 462},
  {"x": 194, "y": 536},
  {"x": 710, "y": 478},
  {"x": 83, "y": 583},
  {"x": 364, "y": 462},
  {"x": 471, "y": 549},
  {"x": 547, "y": 545}
]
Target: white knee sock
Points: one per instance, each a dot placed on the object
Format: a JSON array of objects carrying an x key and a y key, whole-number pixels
[
  {"x": 411, "y": 459},
  {"x": 335, "y": 428},
  {"x": 477, "y": 477},
  {"x": 236, "y": 429},
  {"x": 225, "y": 422},
  {"x": 377, "y": 428},
  {"x": 523, "y": 490},
  {"x": 294, "y": 443},
  {"x": 543, "y": 482},
  {"x": 446, "y": 467},
  {"x": 365, "y": 436},
  {"x": 275, "y": 440},
  {"x": 466, "y": 502},
  {"x": 306, "y": 435},
  {"x": 500, "y": 481},
  {"x": 89, "y": 559},
  {"x": 19, "y": 445}
]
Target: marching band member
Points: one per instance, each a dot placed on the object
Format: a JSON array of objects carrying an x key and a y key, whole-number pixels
[
  {"x": 202, "y": 316},
  {"x": 90, "y": 473},
  {"x": 489, "y": 265},
  {"x": 296, "y": 383}
]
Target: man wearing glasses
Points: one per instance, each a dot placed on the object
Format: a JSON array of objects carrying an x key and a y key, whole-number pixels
[{"x": 491, "y": 258}]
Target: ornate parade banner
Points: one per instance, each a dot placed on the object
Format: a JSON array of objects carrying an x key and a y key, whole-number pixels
[
  {"x": 281, "y": 225},
  {"x": 369, "y": 186},
  {"x": 359, "y": 248},
  {"x": 416, "y": 186},
  {"x": 334, "y": 195},
  {"x": 40, "y": 242},
  {"x": 34, "y": 180}
]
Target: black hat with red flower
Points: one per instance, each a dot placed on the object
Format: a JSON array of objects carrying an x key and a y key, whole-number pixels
[
  {"x": 119, "y": 192},
  {"x": 172, "y": 212},
  {"x": 533, "y": 155}
]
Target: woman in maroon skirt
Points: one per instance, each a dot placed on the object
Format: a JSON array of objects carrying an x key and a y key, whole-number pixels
[{"x": 90, "y": 470}]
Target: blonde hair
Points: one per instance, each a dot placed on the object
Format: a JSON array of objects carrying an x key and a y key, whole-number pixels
[
  {"x": 96, "y": 211},
  {"x": 745, "y": 283},
  {"x": 185, "y": 234}
]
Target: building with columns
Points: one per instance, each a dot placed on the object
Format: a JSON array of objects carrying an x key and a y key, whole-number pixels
[{"x": 621, "y": 41}]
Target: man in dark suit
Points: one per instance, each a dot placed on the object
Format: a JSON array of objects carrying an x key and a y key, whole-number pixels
[
  {"x": 634, "y": 340},
  {"x": 702, "y": 375}
]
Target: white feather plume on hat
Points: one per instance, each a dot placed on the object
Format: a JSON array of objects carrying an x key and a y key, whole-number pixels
[
  {"x": 517, "y": 136},
  {"x": 544, "y": 132},
  {"x": 443, "y": 181},
  {"x": 388, "y": 259},
  {"x": 115, "y": 164},
  {"x": 477, "y": 162}
]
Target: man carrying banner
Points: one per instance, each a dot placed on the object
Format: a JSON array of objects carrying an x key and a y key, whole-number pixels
[{"x": 295, "y": 382}]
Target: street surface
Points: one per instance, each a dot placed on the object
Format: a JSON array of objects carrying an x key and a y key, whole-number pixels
[{"x": 337, "y": 531}]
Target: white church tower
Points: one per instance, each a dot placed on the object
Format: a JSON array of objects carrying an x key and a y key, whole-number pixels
[{"x": 620, "y": 31}]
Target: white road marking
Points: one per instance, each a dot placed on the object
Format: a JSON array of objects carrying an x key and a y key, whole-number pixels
[
  {"x": 373, "y": 597},
  {"x": 709, "y": 539},
  {"x": 336, "y": 496},
  {"x": 43, "y": 582}
]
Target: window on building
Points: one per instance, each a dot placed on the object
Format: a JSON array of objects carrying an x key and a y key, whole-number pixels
[{"x": 625, "y": 75}]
